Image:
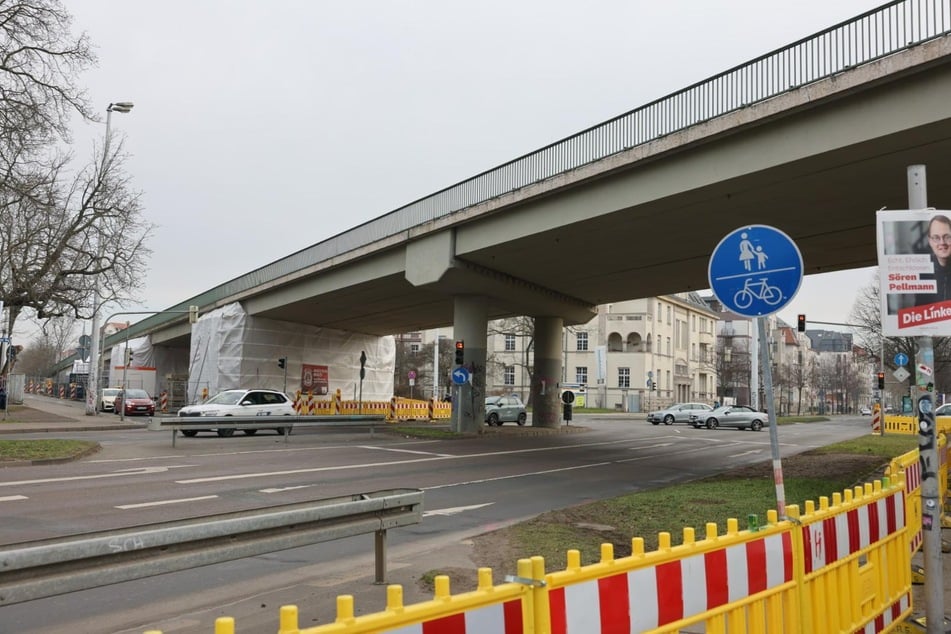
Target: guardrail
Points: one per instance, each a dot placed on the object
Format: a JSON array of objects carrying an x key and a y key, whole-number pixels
[
  {"x": 46, "y": 568},
  {"x": 285, "y": 423}
]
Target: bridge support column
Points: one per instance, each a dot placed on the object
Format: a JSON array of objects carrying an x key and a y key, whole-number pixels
[
  {"x": 470, "y": 324},
  {"x": 546, "y": 408}
]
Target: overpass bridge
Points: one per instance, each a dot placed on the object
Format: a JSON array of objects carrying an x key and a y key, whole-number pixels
[{"x": 812, "y": 138}]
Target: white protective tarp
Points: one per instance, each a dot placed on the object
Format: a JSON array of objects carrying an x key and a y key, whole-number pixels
[{"x": 231, "y": 349}]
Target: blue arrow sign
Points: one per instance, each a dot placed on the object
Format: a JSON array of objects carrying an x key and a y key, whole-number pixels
[
  {"x": 755, "y": 270},
  {"x": 901, "y": 359},
  {"x": 460, "y": 375}
]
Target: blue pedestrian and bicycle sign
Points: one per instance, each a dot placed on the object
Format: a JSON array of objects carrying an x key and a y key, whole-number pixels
[{"x": 755, "y": 271}]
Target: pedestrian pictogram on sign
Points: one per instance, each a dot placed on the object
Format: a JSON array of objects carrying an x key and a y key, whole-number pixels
[{"x": 755, "y": 270}]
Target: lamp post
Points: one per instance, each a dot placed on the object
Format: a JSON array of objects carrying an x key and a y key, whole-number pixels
[{"x": 92, "y": 384}]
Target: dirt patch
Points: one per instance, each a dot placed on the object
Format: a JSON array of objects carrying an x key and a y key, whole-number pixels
[{"x": 497, "y": 550}]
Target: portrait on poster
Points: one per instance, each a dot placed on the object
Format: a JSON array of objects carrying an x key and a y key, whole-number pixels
[{"x": 914, "y": 262}]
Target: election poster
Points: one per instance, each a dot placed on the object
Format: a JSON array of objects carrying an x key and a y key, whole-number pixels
[
  {"x": 315, "y": 379},
  {"x": 914, "y": 262}
]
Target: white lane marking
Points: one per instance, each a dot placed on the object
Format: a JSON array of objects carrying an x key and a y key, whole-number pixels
[
  {"x": 265, "y": 474},
  {"x": 143, "y": 505},
  {"x": 455, "y": 510},
  {"x": 421, "y": 453},
  {"x": 745, "y": 453},
  {"x": 13, "y": 498},
  {"x": 116, "y": 474},
  {"x": 514, "y": 475},
  {"x": 281, "y": 489}
]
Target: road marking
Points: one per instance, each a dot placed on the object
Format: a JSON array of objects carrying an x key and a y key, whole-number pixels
[
  {"x": 455, "y": 510},
  {"x": 116, "y": 474},
  {"x": 745, "y": 453},
  {"x": 487, "y": 454},
  {"x": 514, "y": 475},
  {"x": 143, "y": 505},
  {"x": 421, "y": 453},
  {"x": 282, "y": 489},
  {"x": 13, "y": 498}
]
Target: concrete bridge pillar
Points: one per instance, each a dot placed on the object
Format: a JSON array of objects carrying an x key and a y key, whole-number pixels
[
  {"x": 546, "y": 404},
  {"x": 470, "y": 324}
]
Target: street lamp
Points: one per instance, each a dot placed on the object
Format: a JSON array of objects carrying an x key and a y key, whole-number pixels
[{"x": 92, "y": 384}]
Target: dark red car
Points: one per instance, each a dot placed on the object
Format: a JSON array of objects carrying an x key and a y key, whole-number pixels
[{"x": 135, "y": 402}]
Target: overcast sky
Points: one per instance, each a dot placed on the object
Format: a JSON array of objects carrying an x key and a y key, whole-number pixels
[{"x": 261, "y": 128}]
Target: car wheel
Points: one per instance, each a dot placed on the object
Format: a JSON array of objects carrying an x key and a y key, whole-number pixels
[
  {"x": 712, "y": 423},
  {"x": 189, "y": 433},
  {"x": 249, "y": 432},
  {"x": 225, "y": 433},
  {"x": 756, "y": 425},
  {"x": 668, "y": 419},
  {"x": 493, "y": 420},
  {"x": 521, "y": 419}
]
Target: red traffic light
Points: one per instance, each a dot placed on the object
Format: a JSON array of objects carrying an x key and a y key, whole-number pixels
[
  {"x": 460, "y": 352},
  {"x": 802, "y": 323}
]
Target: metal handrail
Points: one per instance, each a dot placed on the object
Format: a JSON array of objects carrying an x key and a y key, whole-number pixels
[{"x": 888, "y": 29}]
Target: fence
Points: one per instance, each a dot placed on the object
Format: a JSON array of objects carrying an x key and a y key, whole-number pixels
[{"x": 842, "y": 565}]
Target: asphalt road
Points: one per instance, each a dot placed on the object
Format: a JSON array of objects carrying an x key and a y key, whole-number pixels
[{"x": 471, "y": 486}]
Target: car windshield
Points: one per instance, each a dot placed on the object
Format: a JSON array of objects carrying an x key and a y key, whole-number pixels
[
  {"x": 137, "y": 394},
  {"x": 110, "y": 392},
  {"x": 230, "y": 397},
  {"x": 493, "y": 400}
]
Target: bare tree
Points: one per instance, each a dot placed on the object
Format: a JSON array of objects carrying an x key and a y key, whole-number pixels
[
  {"x": 68, "y": 232},
  {"x": 523, "y": 328}
]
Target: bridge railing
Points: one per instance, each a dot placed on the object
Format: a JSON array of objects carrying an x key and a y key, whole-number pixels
[{"x": 883, "y": 31}]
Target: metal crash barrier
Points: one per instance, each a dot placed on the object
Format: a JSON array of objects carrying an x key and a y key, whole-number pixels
[
  {"x": 45, "y": 568},
  {"x": 285, "y": 423}
]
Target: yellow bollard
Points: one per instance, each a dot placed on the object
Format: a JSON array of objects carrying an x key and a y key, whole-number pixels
[
  {"x": 224, "y": 625},
  {"x": 288, "y": 620}
]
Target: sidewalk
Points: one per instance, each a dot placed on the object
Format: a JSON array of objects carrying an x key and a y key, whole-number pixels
[{"x": 47, "y": 414}]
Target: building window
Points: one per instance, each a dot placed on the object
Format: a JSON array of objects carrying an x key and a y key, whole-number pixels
[
  {"x": 669, "y": 349},
  {"x": 581, "y": 375},
  {"x": 508, "y": 375},
  {"x": 660, "y": 313},
  {"x": 582, "y": 341},
  {"x": 414, "y": 348},
  {"x": 509, "y": 343},
  {"x": 668, "y": 315},
  {"x": 624, "y": 377}
]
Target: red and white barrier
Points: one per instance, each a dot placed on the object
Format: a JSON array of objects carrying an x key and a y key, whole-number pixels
[
  {"x": 503, "y": 618},
  {"x": 877, "y": 421},
  {"x": 653, "y": 597},
  {"x": 844, "y": 534}
]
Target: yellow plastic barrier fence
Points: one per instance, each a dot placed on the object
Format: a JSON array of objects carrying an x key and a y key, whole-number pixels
[
  {"x": 841, "y": 567},
  {"x": 408, "y": 409},
  {"x": 908, "y": 466},
  {"x": 488, "y": 609}
]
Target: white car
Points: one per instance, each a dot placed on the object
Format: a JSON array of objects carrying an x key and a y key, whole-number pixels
[
  {"x": 107, "y": 399},
  {"x": 241, "y": 403},
  {"x": 865, "y": 411}
]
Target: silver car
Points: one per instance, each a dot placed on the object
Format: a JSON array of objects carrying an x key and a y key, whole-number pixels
[
  {"x": 678, "y": 413},
  {"x": 738, "y": 416},
  {"x": 499, "y": 409}
]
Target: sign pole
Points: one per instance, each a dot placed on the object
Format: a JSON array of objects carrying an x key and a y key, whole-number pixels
[
  {"x": 927, "y": 447},
  {"x": 773, "y": 422}
]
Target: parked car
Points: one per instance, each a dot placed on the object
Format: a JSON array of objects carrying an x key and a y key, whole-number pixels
[
  {"x": 134, "y": 402},
  {"x": 865, "y": 411},
  {"x": 738, "y": 416},
  {"x": 502, "y": 409},
  {"x": 678, "y": 413},
  {"x": 943, "y": 410},
  {"x": 253, "y": 402},
  {"x": 107, "y": 399}
]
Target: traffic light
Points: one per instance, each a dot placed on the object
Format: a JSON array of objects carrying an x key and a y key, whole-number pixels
[
  {"x": 881, "y": 380},
  {"x": 128, "y": 356},
  {"x": 801, "y": 323},
  {"x": 282, "y": 362},
  {"x": 460, "y": 352},
  {"x": 192, "y": 314}
]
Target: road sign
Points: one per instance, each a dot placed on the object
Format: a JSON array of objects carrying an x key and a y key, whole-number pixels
[
  {"x": 901, "y": 359},
  {"x": 901, "y": 374},
  {"x": 755, "y": 270},
  {"x": 411, "y": 374},
  {"x": 460, "y": 375}
]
